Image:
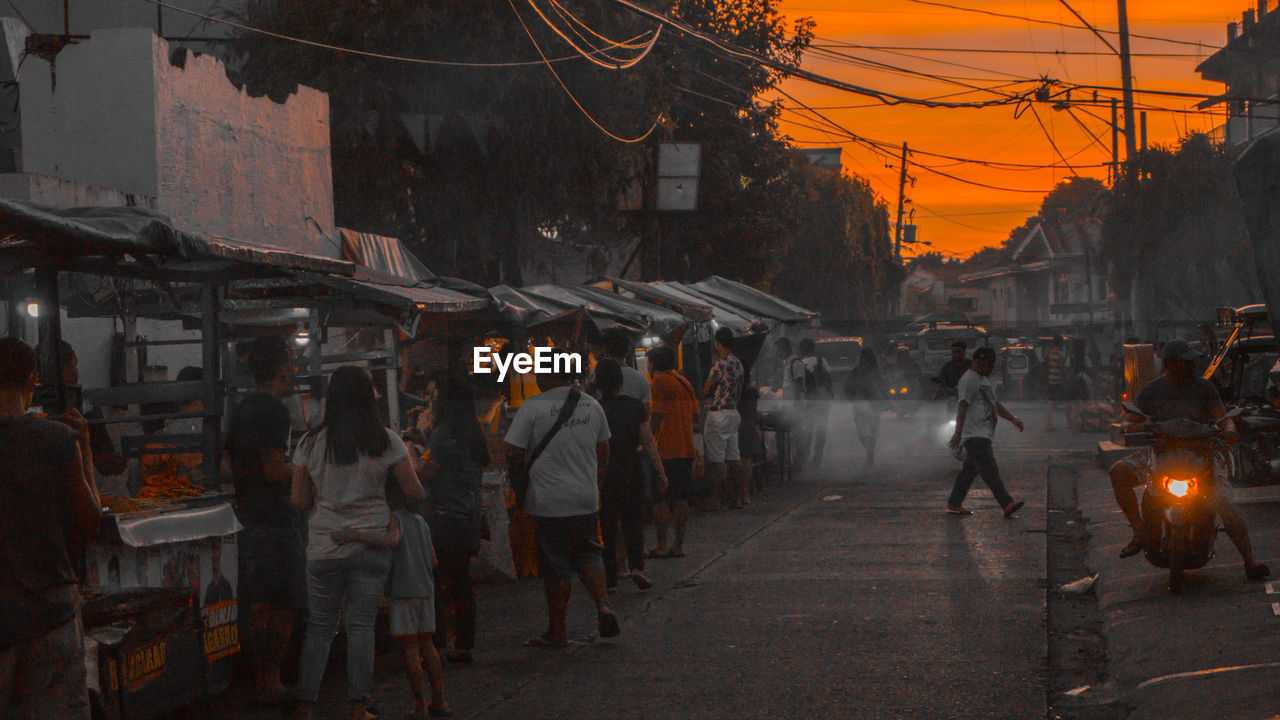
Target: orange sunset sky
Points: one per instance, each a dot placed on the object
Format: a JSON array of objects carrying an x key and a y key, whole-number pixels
[{"x": 957, "y": 218}]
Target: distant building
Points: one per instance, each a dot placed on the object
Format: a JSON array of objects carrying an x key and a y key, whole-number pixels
[
  {"x": 1050, "y": 282},
  {"x": 1249, "y": 67},
  {"x": 826, "y": 158}
]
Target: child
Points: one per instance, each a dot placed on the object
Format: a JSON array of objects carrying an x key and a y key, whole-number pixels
[{"x": 411, "y": 595}]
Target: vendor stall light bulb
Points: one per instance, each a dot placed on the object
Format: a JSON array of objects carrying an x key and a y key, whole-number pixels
[
  {"x": 33, "y": 309},
  {"x": 302, "y": 338}
]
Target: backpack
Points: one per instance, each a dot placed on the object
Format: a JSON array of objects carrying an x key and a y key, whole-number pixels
[{"x": 819, "y": 378}]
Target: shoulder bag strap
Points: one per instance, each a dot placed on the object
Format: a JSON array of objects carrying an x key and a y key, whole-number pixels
[{"x": 566, "y": 411}]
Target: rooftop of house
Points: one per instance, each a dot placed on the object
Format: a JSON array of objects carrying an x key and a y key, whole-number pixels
[{"x": 1256, "y": 36}]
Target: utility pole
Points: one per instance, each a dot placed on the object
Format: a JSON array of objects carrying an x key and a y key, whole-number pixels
[
  {"x": 1143, "y": 123},
  {"x": 1126, "y": 79},
  {"x": 1115, "y": 141},
  {"x": 902, "y": 201}
]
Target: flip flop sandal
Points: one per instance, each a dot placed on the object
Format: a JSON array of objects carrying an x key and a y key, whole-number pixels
[
  {"x": 1013, "y": 508},
  {"x": 960, "y": 511},
  {"x": 607, "y": 624},
  {"x": 543, "y": 642}
]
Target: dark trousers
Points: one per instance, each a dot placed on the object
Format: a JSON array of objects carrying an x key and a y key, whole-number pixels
[
  {"x": 455, "y": 543},
  {"x": 979, "y": 460},
  {"x": 626, "y": 511}
]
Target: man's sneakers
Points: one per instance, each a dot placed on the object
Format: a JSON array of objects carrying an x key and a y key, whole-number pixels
[
  {"x": 1257, "y": 571},
  {"x": 1133, "y": 548},
  {"x": 1012, "y": 508},
  {"x": 958, "y": 511}
]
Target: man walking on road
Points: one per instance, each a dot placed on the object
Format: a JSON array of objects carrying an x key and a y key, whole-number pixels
[
  {"x": 976, "y": 416},
  {"x": 557, "y": 450},
  {"x": 49, "y": 509},
  {"x": 720, "y": 431},
  {"x": 816, "y": 406}
]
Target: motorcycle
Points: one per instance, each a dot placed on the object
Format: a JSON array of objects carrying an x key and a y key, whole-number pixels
[{"x": 1178, "y": 518}]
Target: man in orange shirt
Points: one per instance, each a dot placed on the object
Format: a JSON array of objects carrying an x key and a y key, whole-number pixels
[{"x": 673, "y": 407}]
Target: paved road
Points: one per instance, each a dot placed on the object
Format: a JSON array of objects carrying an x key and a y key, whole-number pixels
[{"x": 848, "y": 594}]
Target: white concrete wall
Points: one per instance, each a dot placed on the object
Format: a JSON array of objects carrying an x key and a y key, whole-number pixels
[
  {"x": 46, "y": 190},
  {"x": 94, "y": 121},
  {"x": 45, "y": 16},
  {"x": 241, "y": 167},
  {"x": 217, "y": 162}
]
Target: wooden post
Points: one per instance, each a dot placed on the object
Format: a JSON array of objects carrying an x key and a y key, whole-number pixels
[{"x": 211, "y": 349}]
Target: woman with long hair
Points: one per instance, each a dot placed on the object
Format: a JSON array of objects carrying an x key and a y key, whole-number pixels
[
  {"x": 456, "y": 455},
  {"x": 339, "y": 481},
  {"x": 866, "y": 387}
]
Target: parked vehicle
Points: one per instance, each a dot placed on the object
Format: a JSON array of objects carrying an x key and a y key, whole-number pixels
[
  {"x": 1015, "y": 366},
  {"x": 1178, "y": 518},
  {"x": 931, "y": 345},
  {"x": 841, "y": 354}
]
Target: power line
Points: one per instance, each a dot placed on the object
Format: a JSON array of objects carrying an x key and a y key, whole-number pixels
[
  {"x": 1054, "y": 23},
  {"x": 361, "y": 53},
  {"x": 730, "y": 49},
  {"x": 1052, "y": 142},
  {"x": 995, "y": 51},
  {"x": 615, "y": 64},
  {"x": 569, "y": 92},
  {"x": 1087, "y": 24}
]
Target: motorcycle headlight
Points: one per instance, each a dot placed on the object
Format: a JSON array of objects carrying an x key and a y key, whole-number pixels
[
  {"x": 903, "y": 391},
  {"x": 893, "y": 391},
  {"x": 1179, "y": 487}
]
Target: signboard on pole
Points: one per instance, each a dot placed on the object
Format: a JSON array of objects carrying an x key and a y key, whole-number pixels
[{"x": 679, "y": 165}]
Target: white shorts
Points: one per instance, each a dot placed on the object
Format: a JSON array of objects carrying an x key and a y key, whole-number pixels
[
  {"x": 411, "y": 616},
  {"x": 720, "y": 436}
]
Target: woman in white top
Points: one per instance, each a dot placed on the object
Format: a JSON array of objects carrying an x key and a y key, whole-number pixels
[{"x": 341, "y": 470}]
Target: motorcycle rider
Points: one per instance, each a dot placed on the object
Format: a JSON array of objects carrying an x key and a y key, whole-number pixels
[
  {"x": 1180, "y": 393},
  {"x": 952, "y": 370}
]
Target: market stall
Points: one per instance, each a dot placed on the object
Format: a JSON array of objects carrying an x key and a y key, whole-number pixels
[{"x": 161, "y": 578}]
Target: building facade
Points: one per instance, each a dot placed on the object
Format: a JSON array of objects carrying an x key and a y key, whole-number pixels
[{"x": 1249, "y": 65}]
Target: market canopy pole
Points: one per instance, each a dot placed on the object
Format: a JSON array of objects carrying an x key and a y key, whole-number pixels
[{"x": 50, "y": 332}]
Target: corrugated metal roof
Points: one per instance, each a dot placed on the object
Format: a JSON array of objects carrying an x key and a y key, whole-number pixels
[{"x": 384, "y": 254}]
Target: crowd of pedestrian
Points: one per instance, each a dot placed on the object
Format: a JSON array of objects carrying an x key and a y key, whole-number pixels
[{"x": 352, "y": 514}]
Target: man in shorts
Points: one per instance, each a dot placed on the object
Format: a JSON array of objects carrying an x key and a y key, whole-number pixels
[
  {"x": 49, "y": 511},
  {"x": 674, "y": 407},
  {"x": 561, "y": 492},
  {"x": 720, "y": 431}
]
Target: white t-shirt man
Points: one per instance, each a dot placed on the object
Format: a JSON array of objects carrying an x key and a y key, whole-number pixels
[
  {"x": 980, "y": 419},
  {"x": 562, "y": 483}
]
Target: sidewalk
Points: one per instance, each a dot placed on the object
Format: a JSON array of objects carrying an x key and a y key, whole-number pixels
[
  {"x": 510, "y": 614},
  {"x": 1214, "y": 652}
]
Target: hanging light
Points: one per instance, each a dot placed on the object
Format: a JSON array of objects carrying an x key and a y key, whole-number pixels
[{"x": 33, "y": 309}]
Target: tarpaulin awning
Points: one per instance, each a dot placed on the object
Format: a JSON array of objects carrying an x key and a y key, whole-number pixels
[
  {"x": 534, "y": 315},
  {"x": 31, "y": 234},
  {"x": 722, "y": 313},
  {"x": 609, "y": 309},
  {"x": 383, "y": 254},
  {"x": 753, "y": 300},
  {"x": 694, "y": 310},
  {"x": 394, "y": 292}
]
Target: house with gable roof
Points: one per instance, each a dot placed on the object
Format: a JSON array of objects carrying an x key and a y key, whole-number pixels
[{"x": 1053, "y": 279}]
